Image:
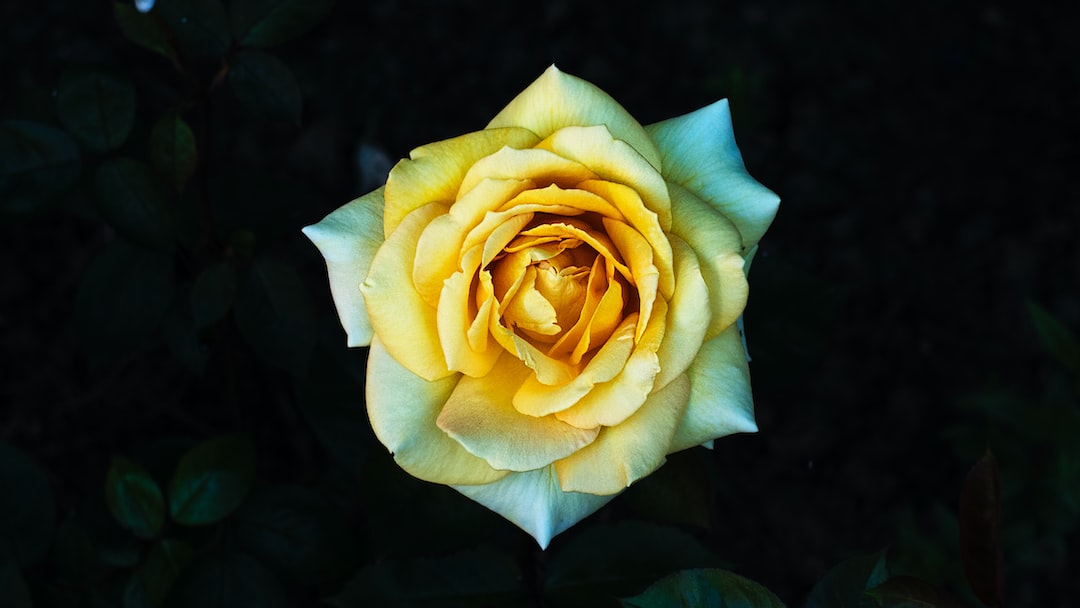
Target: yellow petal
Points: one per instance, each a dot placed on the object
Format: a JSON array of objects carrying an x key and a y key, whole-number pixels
[
  {"x": 639, "y": 257},
  {"x": 536, "y": 399},
  {"x": 720, "y": 401},
  {"x": 533, "y": 501},
  {"x": 348, "y": 239},
  {"x": 541, "y": 166},
  {"x": 717, "y": 244},
  {"x": 611, "y": 403},
  {"x": 625, "y": 453},
  {"x": 557, "y": 100},
  {"x": 463, "y": 331},
  {"x": 434, "y": 171},
  {"x": 403, "y": 408},
  {"x": 404, "y": 322},
  {"x": 479, "y": 414},
  {"x": 700, "y": 154},
  {"x": 688, "y": 315}
]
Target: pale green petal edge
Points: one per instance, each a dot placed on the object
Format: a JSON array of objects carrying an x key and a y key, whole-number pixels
[
  {"x": 698, "y": 151},
  {"x": 533, "y": 501},
  {"x": 348, "y": 239},
  {"x": 557, "y": 99}
]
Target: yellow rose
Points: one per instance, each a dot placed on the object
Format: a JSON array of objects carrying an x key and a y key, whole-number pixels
[{"x": 551, "y": 302}]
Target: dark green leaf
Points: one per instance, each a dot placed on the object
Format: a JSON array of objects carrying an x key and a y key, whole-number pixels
[
  {"x": 135, "y": 202},
  {"x": 705, "y": 588},
  {"x": 13, "y": 590},
  {"x": 910, "y": 592},
  {"x": 479, "y": 577},
  {"x": 37, "y": 162},
  {"x": 144, "y": 29},
  {"x": 200, "y": 26},
  {"x": 620, "y": 559},
  {"x": 124, "y": 295},
  {"x": 980, "y": 530},
  {"x": 172, "y": 150},
  {"x": 212, "y": 294},
  {"x": 149, "y": 585},
  {"x": 183, "y": 337},
  {"x": 846, "y": 584},
  {"x": 265, "y": 86},
  {"x": 1056, "y": 337},
  {"x": 275, "y": 316},
  {"x": 262, "y": 23},
  {"x": 134, "y": 498},
  {"x": 233, "y": 580},
  {"x": 297, "y": 534},
  {"x": 97, "y": 108},
  {"x": 212, "y": 480},
  {"x": 27, "y": 509},
  {"x": 332, "y": 402}
]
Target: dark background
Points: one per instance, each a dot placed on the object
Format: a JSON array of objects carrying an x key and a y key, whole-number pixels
[{"x": 925, "y": 154}]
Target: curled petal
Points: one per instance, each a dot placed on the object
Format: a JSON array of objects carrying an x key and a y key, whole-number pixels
[
  {"x": 627, "y": 452},
  {"x": 557, "y": 100},
  {"x": 688, "y": 315},
  {"x": 348, "y": 239},
  {"x": 535, "y": 503},
  {"x": 402, "y": 408},
  {"x": 699, "y": 153},
  {"x": 406, "y": 324},
  {"x": 717, "y": 244},
  {"x": 479, "y": 416},
  {"x": 720, "y": 401},
  {"x": 434, "y": 171}
]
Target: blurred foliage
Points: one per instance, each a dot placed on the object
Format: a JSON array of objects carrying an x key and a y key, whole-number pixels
[{"x": 202, "y": 264}]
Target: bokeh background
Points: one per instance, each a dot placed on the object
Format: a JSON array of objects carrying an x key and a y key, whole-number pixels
[{"x": 913, "y": 304}]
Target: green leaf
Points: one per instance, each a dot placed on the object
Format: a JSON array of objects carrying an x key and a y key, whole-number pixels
[
  {"x": 1057, "y": 338},
  {"x": 846, "y": 584},
  {"x": 265, "y": 86},
  {"x": 332, "y": 402},
  {"x": 183, "y": 337},
  {"x": 124, "y": 294},
  {"x": 134, "y": 498},
  {"x": 297, "y": 534},
  {"x": 212, "y": 294},
  {"x": 620, "y": 559},
  {"x": 149, "y": 585},
  {"x": 910, "y": 592},
  {"x": 262, "y": 23},
  {"x": 27, "y": 509},
  {"x": 980, "y": 530},
  {"x": 478, "y": 577},
  {"x": 200, "y": 26},
  {"x": 134, "y": 202},
  {"x": 212, "y": 480},
  {"x": 233, "y": 580},
  {"x": 37, "y": 162},
  {"x": 13, "y": 590},
  {"x": 275, "y": 315},
  {"x": 96, "y": 107},
  {"x": 172, "y": 150},
  {"x": 705, "y": 588},
  {"x": 145, "y": 30}
]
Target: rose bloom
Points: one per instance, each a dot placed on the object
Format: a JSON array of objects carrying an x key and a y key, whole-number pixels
[{"x": 551, "y": 303}]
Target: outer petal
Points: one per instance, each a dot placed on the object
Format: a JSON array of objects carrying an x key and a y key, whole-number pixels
[
  {"x": 557, "y": 100},
  {"x": 720, "y": 399},
  {"x": 535, "y": 503},
  {"x": 403, "y": 407},
  {"x": 688, "y": 315},
  {"x": 479, "y": 415},
  {"x": 406, "y": 324},
  {"x": 716, "y": 242},
  {"x": 625, "y": 453},
  {"x": 348, "y": 238},
  {"x": 699, "y": 152},
  {"x": 435, "y": 170}
]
